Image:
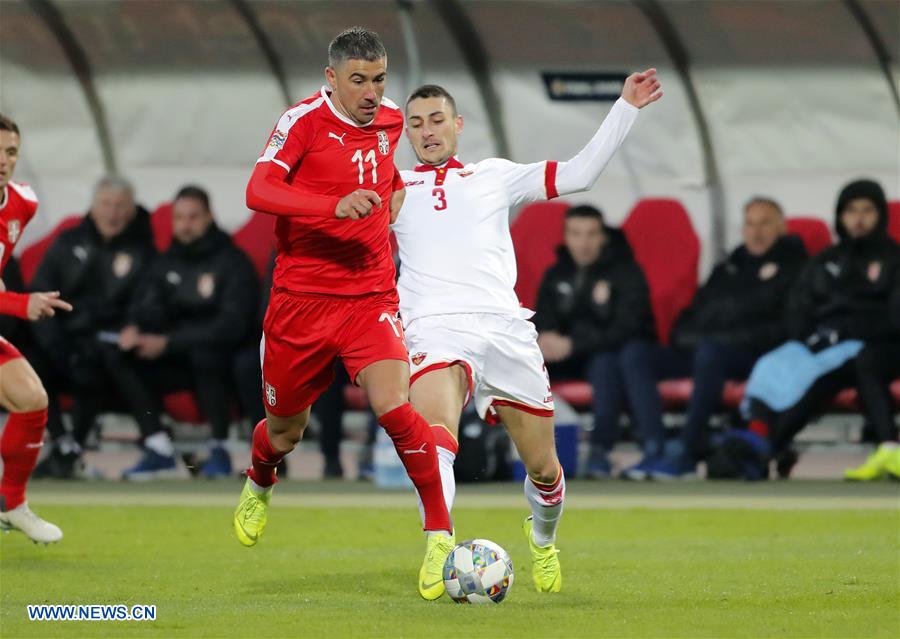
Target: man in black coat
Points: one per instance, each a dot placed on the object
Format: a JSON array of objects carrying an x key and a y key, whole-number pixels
[
  {"x": 847, "y": 293},
  {"x": 734, "y": 318},
  {"x": 593, "y": 316},
  {"x": 97, "y": 266},
  {"x": 191, "y": 313}
]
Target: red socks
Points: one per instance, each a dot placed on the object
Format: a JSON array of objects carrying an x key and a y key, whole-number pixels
[
  {"x": 263, "y": 457},
  {"x": 20, "y": 445},
  {"x": 414, "y": 440}
]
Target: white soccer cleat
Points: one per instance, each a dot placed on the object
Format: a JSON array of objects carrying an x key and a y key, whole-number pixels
[{"x": 22, "y": 519}]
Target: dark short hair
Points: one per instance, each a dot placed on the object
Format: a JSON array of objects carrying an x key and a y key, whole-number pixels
[
  {"x": 585, "y": 211},
  {"x": 7, "y": 124},
  {"x": 195, "y": 193},
  {"x": 355, "y": 43},
  {"x": 432, "y": 91},
  {"x": 761, "y": 199}
]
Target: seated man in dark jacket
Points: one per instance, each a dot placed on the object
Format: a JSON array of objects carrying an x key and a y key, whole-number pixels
[
  {"x": 594, "y": 308},
  {"x": 735, "y": 317},
  {"x": 192, "y": 311},
  {"x": 97, "y": 266},
  {"x": 841, "y": 304}
]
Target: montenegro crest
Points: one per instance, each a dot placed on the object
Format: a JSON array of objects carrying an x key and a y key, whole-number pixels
[
  {"x": 206, "y": 285},
  {"x": 14, "y": 230},
  {"x": 383, "y": 145},
  {"x": 121, "y": 264},
  {"x": 418, "y": 358}
]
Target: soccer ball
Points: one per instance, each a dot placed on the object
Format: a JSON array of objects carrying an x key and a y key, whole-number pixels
[{"x": 478, "y": 571}]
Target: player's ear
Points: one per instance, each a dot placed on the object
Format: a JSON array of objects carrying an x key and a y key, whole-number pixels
[
  {"x": 459, "y": 124},
  {"x": 331, "y": 77}
]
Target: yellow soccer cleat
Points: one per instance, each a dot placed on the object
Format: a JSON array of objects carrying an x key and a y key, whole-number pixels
[
  {"x": 884, "y": 461},
  {"x": 545, "y": 570},
  {"x": 431, "y": 574},
  {"x": 251, "y": 514}
]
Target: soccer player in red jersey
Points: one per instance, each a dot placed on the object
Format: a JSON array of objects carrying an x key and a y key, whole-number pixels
[
  {"x": 328, "y": 173},
  {"x": 21, "y": 393}
]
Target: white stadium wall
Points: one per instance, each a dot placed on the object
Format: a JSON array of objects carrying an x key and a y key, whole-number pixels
[{"x": 791, "y": 91}]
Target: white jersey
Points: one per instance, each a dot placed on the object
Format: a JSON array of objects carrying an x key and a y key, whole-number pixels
[{"x": 456, "y": 252}]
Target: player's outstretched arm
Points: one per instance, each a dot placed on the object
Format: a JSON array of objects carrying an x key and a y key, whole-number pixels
[
  {"x": 582, "y": 171},
  {"x": 31, "y": 306}
]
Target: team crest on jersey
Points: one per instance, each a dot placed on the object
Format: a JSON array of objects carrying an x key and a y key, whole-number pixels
[
  {"x": 465, "y": 173},
  {"x": 206, "y": 285},
  {"x": 874, "y": 271},
  {"x": 601, "y": 292},
  {"x": 383, "y": 144},
  {"x": 768, "y": 270},
  {"x": 418, "y": 358},
  {"x": 14, "y": 230},
  {"x": 121, "y": 264},
  {"x": 270, "y": 394},
  {"x": 278, "y": 139}
]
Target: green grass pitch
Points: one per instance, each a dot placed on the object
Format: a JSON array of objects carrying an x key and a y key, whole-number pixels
[{"x": 641, "y": 561}]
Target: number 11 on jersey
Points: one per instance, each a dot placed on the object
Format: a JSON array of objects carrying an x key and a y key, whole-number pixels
[{"x": 360, "y": 161}]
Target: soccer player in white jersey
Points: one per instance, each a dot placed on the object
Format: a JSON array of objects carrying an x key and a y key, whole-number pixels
[{"x": 468, "y": 337}]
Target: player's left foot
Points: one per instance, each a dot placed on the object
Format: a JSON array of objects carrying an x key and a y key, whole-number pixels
[
  {"x": 251, "y": 514},
  {"x": 431, "y": 574},
  {"x": 545, "y": 569},
  {"x": 21, "y": 518}
]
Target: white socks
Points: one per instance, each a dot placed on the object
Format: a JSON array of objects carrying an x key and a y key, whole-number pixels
[{"x": 546, "y": 503}]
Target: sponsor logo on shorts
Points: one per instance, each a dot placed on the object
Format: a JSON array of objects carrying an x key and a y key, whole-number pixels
[
  {"x": 270, "y": 394},
  {"x": 418, "y": 358}
]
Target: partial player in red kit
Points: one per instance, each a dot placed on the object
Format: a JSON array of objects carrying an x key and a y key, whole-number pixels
[
  {"x": 328, "y": 173},
  {"x": 21, "y": 393}
]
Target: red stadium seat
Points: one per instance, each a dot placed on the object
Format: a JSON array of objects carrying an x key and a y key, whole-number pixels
[
  {"x": 32, "y": 256},
  {"x": 894, "y": 219},
  {"x": 536, "y": 232},
  {"x": 814, "y": 232},
  {"x": 257, "y": 239},
  {"x": 665, "y": 245},
  {"x": 161, "y": 221}
]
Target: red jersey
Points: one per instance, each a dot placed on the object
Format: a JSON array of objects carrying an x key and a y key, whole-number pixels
[
  {"x": 326, "y": 153},
  {"x": 19, "y": 204}
]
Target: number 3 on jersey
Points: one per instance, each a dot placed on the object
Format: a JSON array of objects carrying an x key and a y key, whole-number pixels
[{"x": 441, "y": 203}]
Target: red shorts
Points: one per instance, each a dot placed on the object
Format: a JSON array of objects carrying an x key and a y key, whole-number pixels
[
  {"x": 8, "y": 352},
  {"x": 303, "y": 335}
]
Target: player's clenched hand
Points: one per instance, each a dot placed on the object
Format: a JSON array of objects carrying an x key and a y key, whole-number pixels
[
  {"x": 642, "y": 89},
  {"x": 45, "y": 304},
  {"x": 358, "y": 204}
]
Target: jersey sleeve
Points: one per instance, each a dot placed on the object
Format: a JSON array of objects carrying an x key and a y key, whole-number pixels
[
  {"x": 397, "y": 184},
  {"x": 527, "y": 182},
  {"x": 289, "y": 140},
  {"x": 29, "y": 200}
]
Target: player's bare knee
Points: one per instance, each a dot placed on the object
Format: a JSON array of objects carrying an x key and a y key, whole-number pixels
[
  {"x": 545, "y": 473},
  {"x": 286, "y": 433},
  {"x": 384, "y": 401},
  {"x": 30, "y": 396}
]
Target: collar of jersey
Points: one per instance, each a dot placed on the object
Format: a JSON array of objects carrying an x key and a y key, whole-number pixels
[
  {"x": 326, "y": 95},
  {"x": 4, "y": 197},
  {"x": 452, "y": 163}
]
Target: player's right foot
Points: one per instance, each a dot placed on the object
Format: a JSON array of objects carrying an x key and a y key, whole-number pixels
[
  {"x": 22, "y": 519},
  {"x": 884, "y": 461},
  {"x": 251, "y": 514},
  {"x": 545, "y": 569},
  {"x": 431, "y": 574}
]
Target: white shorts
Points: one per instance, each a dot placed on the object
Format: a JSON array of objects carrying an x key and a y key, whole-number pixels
[{"x": 500, "y": 354}]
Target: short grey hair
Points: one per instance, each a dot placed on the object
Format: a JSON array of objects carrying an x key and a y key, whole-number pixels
[
  {"x": 761, "y": 199},
  {"x": 355, "y": 43},
  {"x": 113, "y": 182}
]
